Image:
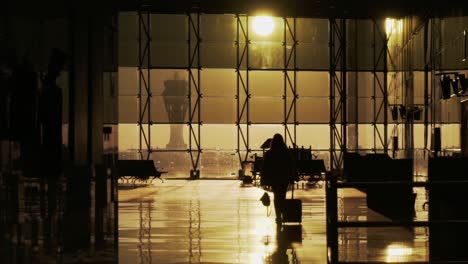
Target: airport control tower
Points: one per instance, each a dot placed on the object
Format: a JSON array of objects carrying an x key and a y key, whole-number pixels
[{"x": 176, "y": 103}]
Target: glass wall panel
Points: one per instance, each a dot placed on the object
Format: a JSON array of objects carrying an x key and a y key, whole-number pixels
[
  {"x": 169, "y": 82},
  {"x": 169, "y": 109},
  {"x": 128, "y": 109},
  {"x": 170, "y": 137},
  {"x": 352, "y": 134},
  {"x": 128, "y": 36},
  {"x": 418, "y": 50},
  {"x": 219, "y": 110},
  {"x": 128, "y": 81},
  {"x": 218, "y": 54},
  {"x": 170, "y": 54},
  {"x": 267, "y": 110},
  {"x": 163, "y": 137},
  {"x": 419, "y": 84},
  {"x": 366, "y": 82},
  {"x": 218, "y": 48},
  {"x": 450, "y": 136},
  {"x": 218, "y": 28},
  {"x": 315, "y": 136},
  {"x": 450, "y": 110},
  {"x": 366, "y": 137},
  {"x": 219, "y": 82},
  {"x": 128, "y": 53},
  {"x": 366, "y": 110},
  {"x": 110, "y": 84},
  {"x": 396, "y": 131},
  {"x": 266, "y": 55},
  {"x": 110, "y": 110},
  {"x": 219, "y": 137},
  {"x": 219, "y": 85},
  {"x": 312, "y": 30},
  {"x": 419, "y": 137},
  {"x": 266, "y": 83},
  {"x": 128, "y": 137},
  {"x": 365, "y": 44},
  {"x": 219, "y": 164},
  {"x": 313, "y": 83},
  {"x": 219, "y": 158},
  {"x": 168, "y": 27},
  {"x": 312, "y": 56},
  {"x": 453, "y": 42},
  {"x": 313, "y": 110},
  {"x": 312, "y": 51},
  {"x": 128, "y": 23}
]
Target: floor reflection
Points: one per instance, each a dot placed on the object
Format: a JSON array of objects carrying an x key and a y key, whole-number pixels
[
  {"x": 200, "y": 222},
  {"x": 221, "y": 221},
  {"x": 287, "y": 239},
  {"x": 45, "y": 221},
  {"x": 204, "y": 221}
]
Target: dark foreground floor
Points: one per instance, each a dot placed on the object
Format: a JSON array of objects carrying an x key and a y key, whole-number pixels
[{"x": 222, "y": 221}]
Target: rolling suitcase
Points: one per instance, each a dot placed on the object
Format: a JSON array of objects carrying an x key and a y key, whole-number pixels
[{"x": 292, "y": 211}]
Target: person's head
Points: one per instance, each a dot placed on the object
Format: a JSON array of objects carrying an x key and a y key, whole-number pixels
[{"x": 277, "y": 142}]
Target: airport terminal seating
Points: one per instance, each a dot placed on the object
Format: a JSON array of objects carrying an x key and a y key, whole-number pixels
[
  {"x": 142, "y": 170},
  {"x": 392, "y": 201},
  {"x": 312, "y": 170}
]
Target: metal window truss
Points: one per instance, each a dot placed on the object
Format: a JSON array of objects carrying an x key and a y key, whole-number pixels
[
  {"x": 194, "y": 95},
  {"x": 242, "y": 87},
  {"x": 380, "y": 86},
  {"x": 194, "y": 91},
  {"x": 290, "y": 81},
  {"x": 338, "y": 85},
  {"x": 144, "y": 80},
  {"x": 243, "y": 94}
]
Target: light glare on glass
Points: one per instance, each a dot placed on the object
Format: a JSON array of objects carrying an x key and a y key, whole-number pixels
[{"x": 263, "y": 25}]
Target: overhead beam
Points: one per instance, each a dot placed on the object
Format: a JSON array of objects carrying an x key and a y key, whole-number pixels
[{"x": 357, "y": 9}]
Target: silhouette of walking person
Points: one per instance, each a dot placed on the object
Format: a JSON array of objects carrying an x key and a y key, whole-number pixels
[
  {"x": 278, "y": 171},
  {"x": 50, "y": 115}
]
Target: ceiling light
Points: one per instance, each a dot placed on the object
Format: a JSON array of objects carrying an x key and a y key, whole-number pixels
[{"x": 263, "y": 25}]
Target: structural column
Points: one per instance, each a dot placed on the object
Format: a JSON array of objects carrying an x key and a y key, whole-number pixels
[
  {"x": 380, "y": 89},
  {"x": 243, "y": 92},
  {"x": 194, "y": 93},
  {"x": 338, "y": 127},
  {"x": 290, "y": 95},
  {"x": 144, "y": 82},
  {"x": 85, "y": 127},
  {"x": 408, "y": 85},
  {"x": 338, "y": 93}
]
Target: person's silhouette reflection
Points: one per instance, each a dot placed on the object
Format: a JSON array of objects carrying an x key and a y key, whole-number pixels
[
  {"x": 280, "y": 254},
  {"x": 285, "y": 237}
]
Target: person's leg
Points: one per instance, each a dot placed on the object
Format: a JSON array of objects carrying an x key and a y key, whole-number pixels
[
  {"x": 277, "y": 204},
  {"x": 281, "y": 199},
  {"x": 279, "y": 196}
]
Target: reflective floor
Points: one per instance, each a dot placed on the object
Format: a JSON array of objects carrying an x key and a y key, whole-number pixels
[{"x": 223, "y": 221}]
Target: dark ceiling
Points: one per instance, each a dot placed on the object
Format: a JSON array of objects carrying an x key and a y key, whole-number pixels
[{"x": 297, "y": 8}]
